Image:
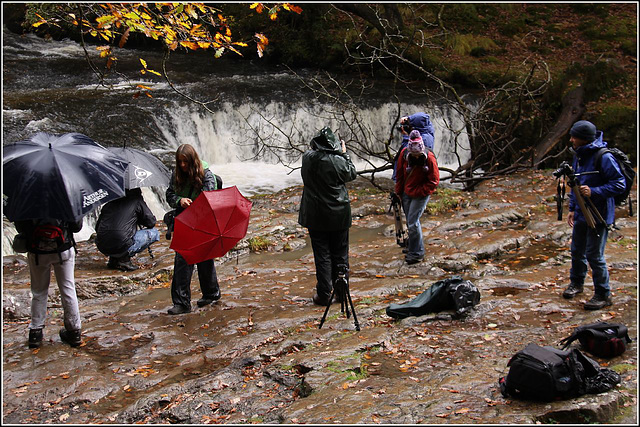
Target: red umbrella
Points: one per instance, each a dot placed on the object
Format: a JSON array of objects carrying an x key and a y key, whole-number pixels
[{"x": 212, "y": 225}]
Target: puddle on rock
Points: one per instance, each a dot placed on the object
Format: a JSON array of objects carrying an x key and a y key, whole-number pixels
[{"x": 534, "y": 254}]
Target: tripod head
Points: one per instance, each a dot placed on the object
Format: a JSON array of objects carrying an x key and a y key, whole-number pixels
[{"x": 343, "y": 272}]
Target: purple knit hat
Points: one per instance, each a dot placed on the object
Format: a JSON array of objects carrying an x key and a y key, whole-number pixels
[{"x": 416, "y": 145}]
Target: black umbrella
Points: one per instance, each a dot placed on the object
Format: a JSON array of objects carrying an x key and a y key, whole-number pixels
[
  {"x": 63, "y": 177},
  {"x": 145, "y": 170}
]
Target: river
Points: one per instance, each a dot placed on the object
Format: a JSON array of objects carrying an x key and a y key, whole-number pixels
[{"x": 49, "y": 87}]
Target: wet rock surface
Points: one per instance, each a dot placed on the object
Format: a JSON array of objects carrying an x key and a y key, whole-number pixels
[{"x": 258, "y": 356}]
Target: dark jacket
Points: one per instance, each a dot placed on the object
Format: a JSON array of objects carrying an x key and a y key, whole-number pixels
[
  {"x": 604, "y": 186},
  {"x": 419, "y": 181},
  {"x": 27, "y": 227},
  {"x": 119, "y": 220},
  {"x": 325, "y": 204},
  {"x": 174, "y": 194}
]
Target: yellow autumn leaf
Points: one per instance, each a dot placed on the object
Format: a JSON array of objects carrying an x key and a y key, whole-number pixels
[
  {"x": 273, "y": 16},
  {"x": 143, "y": 62},
  {"x": 190, "y": 45},
  {"x": 154, "y": 72}
]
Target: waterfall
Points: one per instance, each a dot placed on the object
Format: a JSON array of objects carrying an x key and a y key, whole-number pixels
[
  {"x": 253, "y": 104},
  {"x": 231, "y": 136}
]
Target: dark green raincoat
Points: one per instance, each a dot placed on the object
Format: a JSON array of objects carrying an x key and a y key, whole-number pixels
[{"x": 325, "y": 202}]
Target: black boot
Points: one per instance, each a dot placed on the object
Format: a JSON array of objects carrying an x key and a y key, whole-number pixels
[
  {"x": 124, "y": 264},
  {"x": 73, "y": 338},
  {"x": 35, "y": 338},
  {"x": 597, "y": 302},
  {"x": 572, "y": 290},
  {"x": 208, "y": 300}
]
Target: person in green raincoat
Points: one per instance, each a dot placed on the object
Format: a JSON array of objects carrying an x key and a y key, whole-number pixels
[
  {"x": 190, "y": 177},
  {"x": 325, "y": 209}
]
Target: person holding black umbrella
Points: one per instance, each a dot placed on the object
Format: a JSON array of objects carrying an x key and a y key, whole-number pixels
[
  {"x": 50, "y": 183},
  {"x": 190, "y": 177},
  {"x": 50, "y": 244}
]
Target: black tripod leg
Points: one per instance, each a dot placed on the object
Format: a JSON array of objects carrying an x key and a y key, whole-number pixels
[
  {"x": 355, "y": 318},
  {"x": 324, "y": 316}
]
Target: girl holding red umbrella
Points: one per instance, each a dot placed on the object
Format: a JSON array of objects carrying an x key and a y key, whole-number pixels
[{"x": 190, "y": 177}]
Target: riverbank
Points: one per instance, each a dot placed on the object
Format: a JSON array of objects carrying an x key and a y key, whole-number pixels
[{"x": 257, "y": 355}]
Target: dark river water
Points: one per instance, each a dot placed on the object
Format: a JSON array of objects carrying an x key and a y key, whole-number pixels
[{"x": 48, "y": 86}]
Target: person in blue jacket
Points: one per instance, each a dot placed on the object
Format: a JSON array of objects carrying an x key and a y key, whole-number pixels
[
  {"x": 420, "y": 122},
  {"x": 587, "y": 244}
]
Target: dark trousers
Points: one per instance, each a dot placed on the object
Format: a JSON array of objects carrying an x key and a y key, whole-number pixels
[
  {"x": 181, "y": 283},
  {"x": 330, "y": 249}
]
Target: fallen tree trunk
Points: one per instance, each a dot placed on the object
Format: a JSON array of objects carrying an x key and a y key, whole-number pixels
[{"x": 572, "y": 109}]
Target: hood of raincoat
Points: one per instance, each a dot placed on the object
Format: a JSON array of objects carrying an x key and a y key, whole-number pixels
[
  {"x": 421, "y": 122},
  {"x": 326, "y": 140}
]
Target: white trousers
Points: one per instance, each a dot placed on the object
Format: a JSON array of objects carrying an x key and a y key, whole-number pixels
[{"x": 40, "y": 280}]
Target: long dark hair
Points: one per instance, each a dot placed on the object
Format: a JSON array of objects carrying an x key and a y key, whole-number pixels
[{"x": 194, "y": 174}]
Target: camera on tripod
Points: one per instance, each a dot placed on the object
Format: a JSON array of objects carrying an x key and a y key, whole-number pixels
[
  {"x": 564, "y": 169},
  {"x": 341, "y": 279}
]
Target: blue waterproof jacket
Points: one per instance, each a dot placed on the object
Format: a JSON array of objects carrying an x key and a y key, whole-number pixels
[
  {"x": 604, "y": 185},
  {"x": 422, "y": 123}
]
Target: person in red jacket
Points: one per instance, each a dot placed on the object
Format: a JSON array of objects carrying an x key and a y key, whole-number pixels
[{"x": 417, "y": 177}]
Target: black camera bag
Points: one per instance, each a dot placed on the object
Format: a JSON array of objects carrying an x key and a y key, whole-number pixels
[
  {"x": 452, "y": 293},
  {"x": 547, "y": 374},
  {"x": 601, "y": 339}
]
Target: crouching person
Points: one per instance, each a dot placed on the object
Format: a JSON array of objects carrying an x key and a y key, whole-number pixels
[
  {"x": 325, "y": 208},
  {"x": 117, "y": 233},
  {"x": 50, "y": 244}
]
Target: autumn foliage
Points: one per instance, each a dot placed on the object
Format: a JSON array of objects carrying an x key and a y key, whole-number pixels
[{"x": 190, "y": 26}]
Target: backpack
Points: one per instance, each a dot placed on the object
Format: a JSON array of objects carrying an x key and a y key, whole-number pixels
[
  {"x": 601, "y": 339},
  {"x": 452, "y": 293},
  {"x": 626, "y": 167},
  {"x": 48, "y": 238},
  {"x": 547, "y": 374}
]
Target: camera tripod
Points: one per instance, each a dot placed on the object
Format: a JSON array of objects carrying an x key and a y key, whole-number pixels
[
  {"x": 401, "y": 232},
  {"x": 341, "y": 289},
  {"x": 591, "y": 214}
]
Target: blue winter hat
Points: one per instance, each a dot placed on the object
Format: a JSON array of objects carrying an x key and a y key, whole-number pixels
[{"x": 584, "y": 130}]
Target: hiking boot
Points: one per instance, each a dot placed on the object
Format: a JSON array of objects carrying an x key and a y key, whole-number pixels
[
  {"x": 35, "y": 338},
  {"x": 208, "y": 300},
  {"x": 179, "y": 309},
  {"x": 412, "y": 260},
  {"x": 318, "y": 300},
  {"x": 597, "y": 302},
  {"x": 572, "y": 290},
  {"x": 112, "y": 262},
  {"x": 125, "y": 264},
  {"x": 73, "y": 338}
]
